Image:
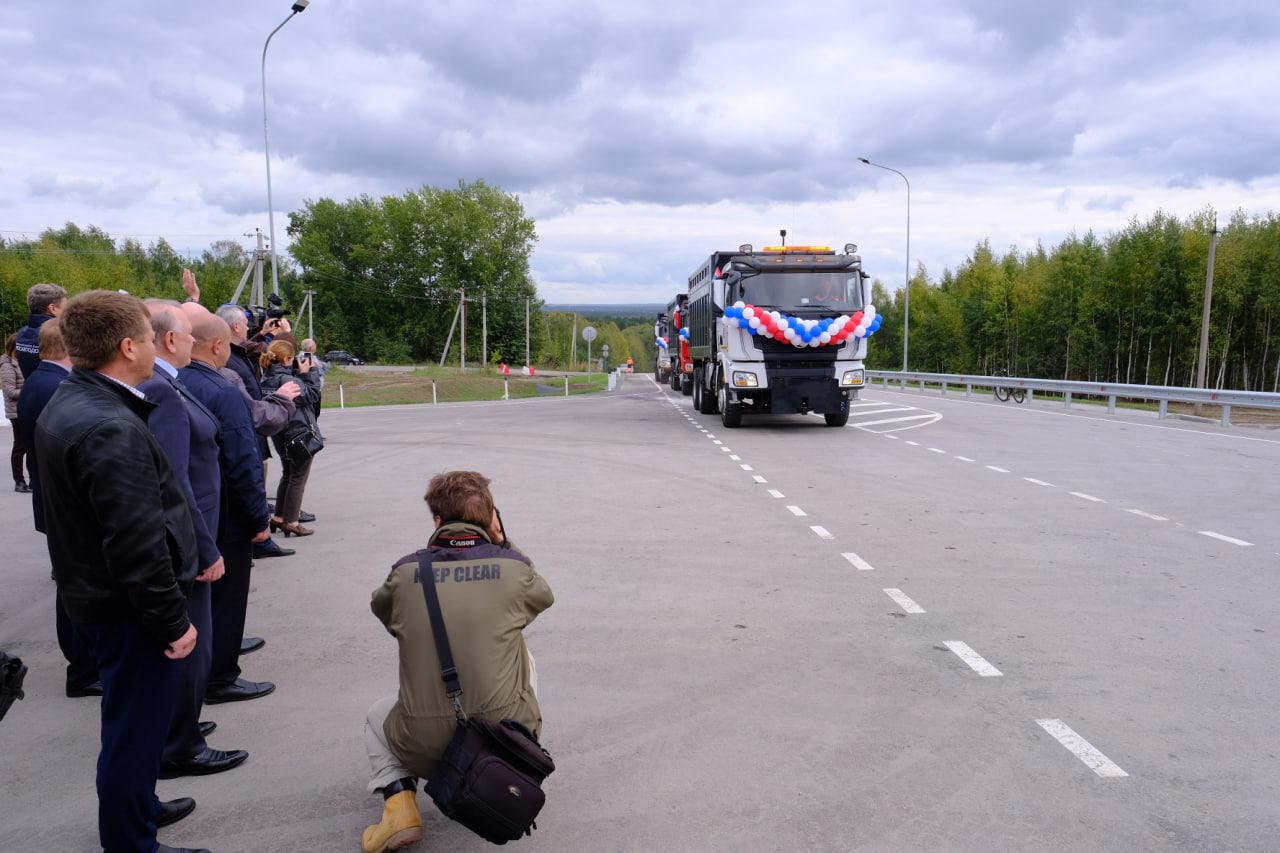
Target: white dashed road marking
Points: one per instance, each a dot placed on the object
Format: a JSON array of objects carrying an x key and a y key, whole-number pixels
[
  {"x": 796, "y": 511},
  {"x": 759, "y": 479},
  {"x": 1081, "y": 749},
  {"x": 963, "y": 458},
  {"x": 998, "y": 469},
  {"x": 1139, "y": 512},
  {"x": 776, "y": 494},
  {"x": 822, "y": 532},
  {"x": 913, "y": 443},
  {"x": 936, "y": 450},
  {"x": 725, "y": 449},
  {"x": 1231, "y": 539},
  {"x": 886, "y": 435},
  {"x": 746, "y": 467},
  {"x": 735, "y": 457},
  {"x": 976, "y": 661},
  {"x": 1036, "y": 482},
  {"x": 907, "y": 605},
  {"x": 857, "y": 562},
  {"x": 1083, "y": 496}
]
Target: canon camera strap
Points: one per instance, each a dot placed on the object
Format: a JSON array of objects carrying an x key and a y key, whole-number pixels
[{"x": 449, "y": 672}]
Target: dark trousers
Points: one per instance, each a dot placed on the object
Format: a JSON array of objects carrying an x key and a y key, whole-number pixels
[
  {"x": 293, "y": 482},
  {"x": 18, "y": 453},
  {"x": 138, "y": 688},
  {"x": 230, "y": 602},
  {"x": 82, "y": 669},
  {"x": 185, "y": 740}
]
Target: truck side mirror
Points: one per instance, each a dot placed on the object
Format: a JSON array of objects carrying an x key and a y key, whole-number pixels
[{"x": 717, "y": 294}]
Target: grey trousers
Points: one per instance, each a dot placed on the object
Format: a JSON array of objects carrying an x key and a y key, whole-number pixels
[{"x": 385, "y": 766}]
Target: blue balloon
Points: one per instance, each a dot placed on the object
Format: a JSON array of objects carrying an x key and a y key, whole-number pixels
[
  {"x": 875, "y": 324},
  {"x": 824, "y": 323}
]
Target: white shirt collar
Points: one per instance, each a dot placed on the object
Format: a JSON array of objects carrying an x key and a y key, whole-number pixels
[{"x": 134, "y": 391}]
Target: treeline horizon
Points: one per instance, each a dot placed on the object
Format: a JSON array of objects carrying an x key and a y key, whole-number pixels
[{"x": 1121, "y": 308}]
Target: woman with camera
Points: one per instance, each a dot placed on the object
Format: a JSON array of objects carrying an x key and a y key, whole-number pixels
[{"x": 298, "y": 442}]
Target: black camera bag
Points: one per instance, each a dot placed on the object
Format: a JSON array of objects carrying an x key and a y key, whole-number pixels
[
  {"x": 490, "y": 776},
  {"x": 12, "y": 673}
]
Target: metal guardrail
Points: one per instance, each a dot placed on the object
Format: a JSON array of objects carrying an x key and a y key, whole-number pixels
[{"x": 1163, "y": 395}]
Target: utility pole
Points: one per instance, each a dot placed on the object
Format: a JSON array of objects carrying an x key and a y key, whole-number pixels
[
  {"x": 462, "y": 303},
  {"x": 573, "y": 359},
  {"x": 527, "y": 363},
  {"x": 484, "y": 330},
  {"x": 310, "y": 304},
  {"x": 1202, "y": 363},
  {"x": 448, "y": 340},
  {"x": 255, "y": 298}
]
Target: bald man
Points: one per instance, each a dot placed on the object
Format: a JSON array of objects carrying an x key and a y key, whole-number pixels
[
  {"x": 189, "y": 434},
  {"x": 244, "y": 518}
]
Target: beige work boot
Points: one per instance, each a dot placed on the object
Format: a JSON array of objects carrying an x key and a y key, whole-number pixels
[{"x": 401, "y": 825}]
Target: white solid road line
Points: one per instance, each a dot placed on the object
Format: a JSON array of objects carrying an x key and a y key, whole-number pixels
[
  {"x": 976, "y": 661},
  {"x": 822, "y": 532},
  {"x": 963, "y": 458},
  {"x": 998, "y": 469},
  {"x": 796, "y": 511},
  {"x": 1082, "y": 749},
  {"x": 759, "y": 479},
  {"x": 883, "y": 411},
  {"x": 1147, "y": 515},
  {"x": 907, "y": 605},
  {"x": 775, "y": 493},
  {"x": 895, "y": 420},
  {"x": 1230, "y": 539},
  {"x": 1037, "y": 482},
  {"x": 857, "y": 562},
  {"x": 746, "y": 467},
  {"x": 1083, "y": 496}
]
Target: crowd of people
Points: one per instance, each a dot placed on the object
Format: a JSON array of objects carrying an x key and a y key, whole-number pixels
[{"x": 152, "y": 569}]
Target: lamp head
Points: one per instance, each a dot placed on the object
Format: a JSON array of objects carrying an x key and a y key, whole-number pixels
[
  {"x": 300, "y": 5},
  {"x": 865, "y": 160}
]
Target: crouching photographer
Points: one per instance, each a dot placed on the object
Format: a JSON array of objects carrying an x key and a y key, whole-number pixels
[
  {"x": 480, "y": 592},
  {"x": 300, "y": 440}
]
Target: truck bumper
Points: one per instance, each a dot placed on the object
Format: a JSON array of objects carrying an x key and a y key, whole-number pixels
[{"x": 788, "y": 396}]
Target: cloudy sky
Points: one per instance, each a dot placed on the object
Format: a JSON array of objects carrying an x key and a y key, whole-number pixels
[{"x": 643, "y": 135}]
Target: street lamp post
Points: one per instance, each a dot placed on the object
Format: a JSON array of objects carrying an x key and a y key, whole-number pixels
[
  {"x": 298, "y": 6},
  {"x": 906, "y": 302}
]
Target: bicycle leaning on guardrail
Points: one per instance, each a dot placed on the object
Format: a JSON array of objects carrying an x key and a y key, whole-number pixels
[{"x": 1004, "y": 392}]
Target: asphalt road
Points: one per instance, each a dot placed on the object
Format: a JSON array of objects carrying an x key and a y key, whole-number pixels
[{"x": 717, "y": 675}]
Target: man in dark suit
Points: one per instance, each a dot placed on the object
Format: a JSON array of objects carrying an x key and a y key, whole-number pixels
[
  {"x": 55, "y": 366},
  {"x": 188, "y": 432},
  {"x": 124, "y": 553},
  {"x": 244, "y": 517},
  {"x": 44, "y": 301}
]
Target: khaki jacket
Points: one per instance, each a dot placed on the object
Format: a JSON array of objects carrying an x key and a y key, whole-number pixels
[{"x": 488, "y": 594}]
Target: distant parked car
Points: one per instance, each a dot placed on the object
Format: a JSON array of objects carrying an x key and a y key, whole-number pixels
[{"x": 341, "y": 356}]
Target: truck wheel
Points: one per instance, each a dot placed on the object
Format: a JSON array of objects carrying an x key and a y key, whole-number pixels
[
  {"x": 706, "y": 401},
  {"x": 686, "y": 384},
  {"x": 730, "y": 413},
  {"x": 697, "y": 393},
  {"x": 837, "y": 419}
]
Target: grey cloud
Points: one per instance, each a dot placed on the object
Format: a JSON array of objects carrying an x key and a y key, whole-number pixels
[{"x": 104, "y": 193}]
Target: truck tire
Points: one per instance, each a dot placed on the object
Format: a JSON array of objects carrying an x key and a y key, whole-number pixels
[
  {"x": 706, "y": 401},
  {"x": 836, "y": 419},
  {"x": 686, "y": 384},
  {"x": 697, "y": 395},
  {"x": 730, "y": 413}
]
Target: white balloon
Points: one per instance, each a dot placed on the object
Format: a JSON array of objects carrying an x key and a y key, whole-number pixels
[
  {"x": 870, "y": 313},
  {"x": 748, "y": 313},
  {"x": 825, "y": 337},
  {"x": 790, "y": 334},
  {"x": 754, "y": 322},
  {"x": 776, "y": 315},
  {"x": 739, "y": 304}
]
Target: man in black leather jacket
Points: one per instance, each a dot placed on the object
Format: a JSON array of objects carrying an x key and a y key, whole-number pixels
[{"x": 124, "y": 553}]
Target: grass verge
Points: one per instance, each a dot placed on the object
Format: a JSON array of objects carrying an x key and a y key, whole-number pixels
[{"x": 371, "y": 387}]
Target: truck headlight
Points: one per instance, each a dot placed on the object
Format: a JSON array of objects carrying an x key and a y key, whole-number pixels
[
  {"x": 743, "y": 379},
  {"x": 851, "y": 379}
]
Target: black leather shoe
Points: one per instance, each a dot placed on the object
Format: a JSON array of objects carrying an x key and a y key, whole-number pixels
[
  {"x": 94, "y": 689},
  {"x": 165, "y": 848},
  {"x": 23, "y": 488},
  {"x": 208, "y": 728},
  {"x": 249, "y": 645},
  {"x": 269, "y": 548},
  {"x": 174, "y": 811},
  {"x": 306, "y": 517},
  {"x": 205, "y": 764},
  {"x": 242, "y": 691}
]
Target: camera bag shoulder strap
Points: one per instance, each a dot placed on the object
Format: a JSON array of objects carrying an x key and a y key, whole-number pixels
[{"x": 452, "y": 686}]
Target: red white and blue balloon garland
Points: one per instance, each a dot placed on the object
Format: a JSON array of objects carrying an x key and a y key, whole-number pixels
[{"x": 828, "y": 331}]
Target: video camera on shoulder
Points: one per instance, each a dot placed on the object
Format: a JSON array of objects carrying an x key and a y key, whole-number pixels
[{"x": 258, "y": 315}]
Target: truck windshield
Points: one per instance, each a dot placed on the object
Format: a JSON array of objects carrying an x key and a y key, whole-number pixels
[{"x": 836, "y": 290}]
